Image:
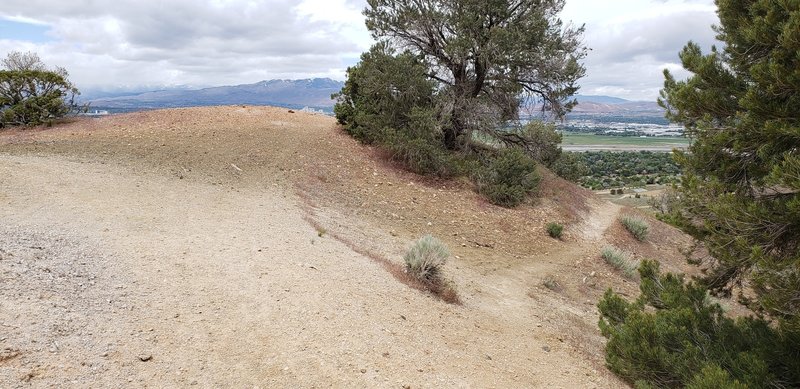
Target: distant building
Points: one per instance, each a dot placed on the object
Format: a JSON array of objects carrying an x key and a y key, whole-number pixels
[{"x": 96, "y": 112}]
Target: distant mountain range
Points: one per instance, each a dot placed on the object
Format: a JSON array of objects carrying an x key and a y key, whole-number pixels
[
  {"x": 606, "y": 105},
  {"x": 314, "y": 93}
]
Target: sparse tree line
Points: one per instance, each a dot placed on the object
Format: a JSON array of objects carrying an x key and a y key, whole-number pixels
[
  {"x": 607, "y": 169},
  {"x": 33, "y": 94}
]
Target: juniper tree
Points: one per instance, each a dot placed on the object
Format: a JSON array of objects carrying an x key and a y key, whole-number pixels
[
  {"x": 485, "y": 57},
  {"x": 32, "y": 94}
]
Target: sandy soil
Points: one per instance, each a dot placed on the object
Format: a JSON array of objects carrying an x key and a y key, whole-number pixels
[{"x": 219, "y": 247}]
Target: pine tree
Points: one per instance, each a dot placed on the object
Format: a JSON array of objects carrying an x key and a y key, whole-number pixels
[
  {"x": 740, "y": 197},
  {"x": 741, "y": 187},
  {"x": 486, "y": 57}
]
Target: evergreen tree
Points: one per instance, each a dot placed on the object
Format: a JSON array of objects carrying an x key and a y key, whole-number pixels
[
  {"x": 30, "y": 94},
  {"x": 740, "y": 197},
  {"x": 485, "y": 56},
  {"x": 741, "y": 181}
]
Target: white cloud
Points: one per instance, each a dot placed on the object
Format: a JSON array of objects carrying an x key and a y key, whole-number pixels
[
  {"x": 157, "y": 43},
  {"x": 632, "y": 41},
  {"x": 185, "y": 42}
]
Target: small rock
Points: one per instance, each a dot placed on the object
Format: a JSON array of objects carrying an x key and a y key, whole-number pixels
[
  {"x": 145, "y": 357},
  {"x": 363, "y": 371},
  {"x": 546, "y": 348}
]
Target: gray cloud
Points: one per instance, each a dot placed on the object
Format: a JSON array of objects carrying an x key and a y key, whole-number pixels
[
  {"x": 628, "y": 56},
  {"x": 186, "y": 41},
  {"x": 157, "y": 43}
]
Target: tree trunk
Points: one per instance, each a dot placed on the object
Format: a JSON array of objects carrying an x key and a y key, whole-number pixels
[{"x": 451, "y": 137}]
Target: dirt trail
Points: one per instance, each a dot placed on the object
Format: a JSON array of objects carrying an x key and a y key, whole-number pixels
[
  {"x": 598, "y": 221},
  {"x": 227, "y": 287},
  {"x": 133, "y": 257}
]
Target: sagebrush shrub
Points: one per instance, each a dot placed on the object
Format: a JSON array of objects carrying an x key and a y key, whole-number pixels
[
  {"x": 636, "y": 226},
  {"x": 555, "y": 230},
  {"x": 425, "y": 259},
  {"x": 620, "y": 260}
]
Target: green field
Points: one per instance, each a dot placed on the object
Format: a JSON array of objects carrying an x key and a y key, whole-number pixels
[{"x": 578, "y": 139}]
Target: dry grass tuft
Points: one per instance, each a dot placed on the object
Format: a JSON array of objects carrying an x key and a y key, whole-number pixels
[{"x": 620, "y": 260}]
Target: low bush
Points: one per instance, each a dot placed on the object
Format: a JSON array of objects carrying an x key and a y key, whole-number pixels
[
  {"x": 421, "y": 156},
  {"x": 674, "y": 336},
  {"x": 620, "y": 260},
  {"x": 636, "y": 226},
  {"x": 508, "y": 178},
  {"x": 555, "y": 230},
  {"x": 425, "y": 259}
]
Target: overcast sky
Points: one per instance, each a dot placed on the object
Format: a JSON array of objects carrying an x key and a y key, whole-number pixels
[{"x": 148, "y": 44}]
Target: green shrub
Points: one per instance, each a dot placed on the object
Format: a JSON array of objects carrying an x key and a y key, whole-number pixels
[
  {"x": 420, "y": 156},
  {"x": 555, "y": 229},
  {"x": 31, "y": 94},
  {"x": 508, "y": 178},
  {"x": 620, "y": 260},
  {"x": 674, "y": 336},
  {"x": 425, "y": 259},
  {"x": 385, "y": 90},
  {"x": 636, "y": 226}
]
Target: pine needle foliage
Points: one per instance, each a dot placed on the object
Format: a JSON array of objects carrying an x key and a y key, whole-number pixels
[{"x": 674, "y": 336}]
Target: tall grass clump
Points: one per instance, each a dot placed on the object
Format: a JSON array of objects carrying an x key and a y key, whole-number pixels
[
  {"x": 425, "y": 259},
  {"x": 636, "y": 226},
  {"x": 555, "y": 230},
  {"x": 620, "y": 260}
]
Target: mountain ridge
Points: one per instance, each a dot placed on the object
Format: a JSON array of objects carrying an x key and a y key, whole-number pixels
[{"x": 311, "y": 92}]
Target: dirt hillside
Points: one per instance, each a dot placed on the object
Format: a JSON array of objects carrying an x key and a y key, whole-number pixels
[{"x": 246, "y": 247}]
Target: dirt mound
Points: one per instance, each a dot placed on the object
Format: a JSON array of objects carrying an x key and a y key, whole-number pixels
[{"x": 235, "y": 235}]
